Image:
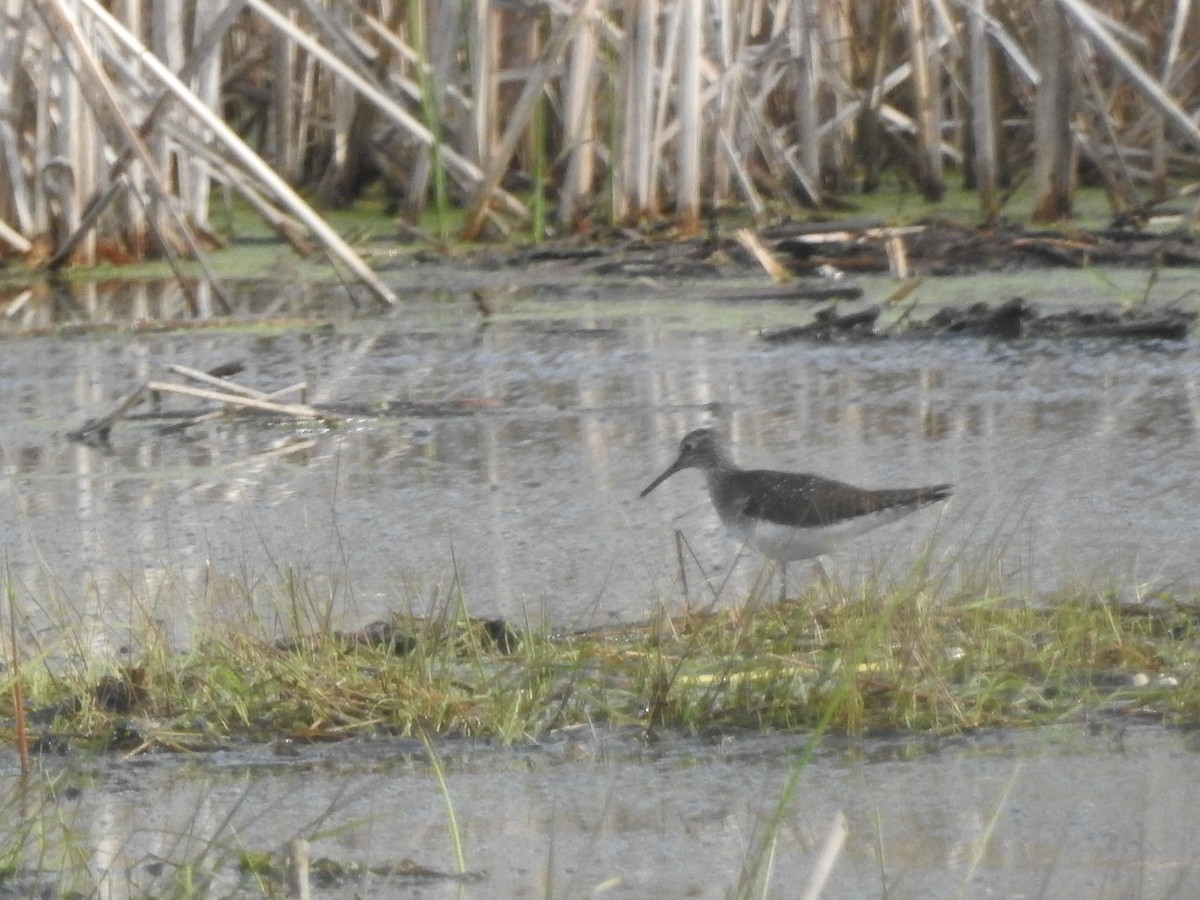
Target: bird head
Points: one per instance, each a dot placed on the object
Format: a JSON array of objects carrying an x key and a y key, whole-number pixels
[{"x": 700, "y": 449}]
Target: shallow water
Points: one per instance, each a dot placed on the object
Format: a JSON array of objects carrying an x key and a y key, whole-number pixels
[
  {"x": 1066, "y": 812},
  {"x": 1071, "y": 460}
]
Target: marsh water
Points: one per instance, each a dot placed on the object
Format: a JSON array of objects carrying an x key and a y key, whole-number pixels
[
  {"x": 513, "y": 473},
  {"x": 506, "y": 471},
  {"x": 1063, "y": 813}
]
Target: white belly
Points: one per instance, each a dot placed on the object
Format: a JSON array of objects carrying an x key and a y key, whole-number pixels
[{"x": 786, "y": 543}]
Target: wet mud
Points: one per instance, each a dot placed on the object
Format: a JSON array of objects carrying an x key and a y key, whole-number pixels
[{"x": 1011, "y": 320}]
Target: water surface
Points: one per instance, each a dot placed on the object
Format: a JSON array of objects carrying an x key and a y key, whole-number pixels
[
  {"x": 512, "y": 478},
  {"x": 513, "y": 474},
  {"x": 1065, "y": 812}
]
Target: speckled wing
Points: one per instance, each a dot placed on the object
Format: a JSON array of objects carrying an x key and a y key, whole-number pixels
[{"x": 789, "y": 498}]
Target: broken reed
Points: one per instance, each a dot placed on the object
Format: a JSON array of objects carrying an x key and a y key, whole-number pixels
[{"x": 652, "y": 109}]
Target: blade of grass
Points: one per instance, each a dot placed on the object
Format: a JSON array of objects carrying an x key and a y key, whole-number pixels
[
  {"x": 981, "y": 844},
  {"x": 460, "y": 859}
]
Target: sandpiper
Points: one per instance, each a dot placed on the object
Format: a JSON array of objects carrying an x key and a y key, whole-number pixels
[{"x": 789, "y": 516}]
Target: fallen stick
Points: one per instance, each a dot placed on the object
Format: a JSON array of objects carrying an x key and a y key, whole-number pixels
[
  {"x": 749, "y": 240},
  {"x": 838, "y": 235},
  {"x": 287, "y": 409},
  {"x": 101, "y": 427},
  {"x": 216, "y": 381},
  {"x": 218, "y": 413}
]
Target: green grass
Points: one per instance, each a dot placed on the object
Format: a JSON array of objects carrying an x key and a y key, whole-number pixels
[
  {"x": 852, "y": 659},
  {"x": 900, "y": 203},
  {"x": 859, "y": 661}
]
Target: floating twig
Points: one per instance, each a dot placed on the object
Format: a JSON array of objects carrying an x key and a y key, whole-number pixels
[
  {"x": 230, "y": 395},
  {"x": 297, "y": 410},
  {"x": 300, "y": 386},
  {"x": 96, "y": 431}
]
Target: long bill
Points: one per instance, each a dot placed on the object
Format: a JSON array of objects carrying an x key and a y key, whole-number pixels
[{"x": 671, "y": 470}]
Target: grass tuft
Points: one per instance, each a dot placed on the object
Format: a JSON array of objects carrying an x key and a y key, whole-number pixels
[{"x": 860, "y": 660}]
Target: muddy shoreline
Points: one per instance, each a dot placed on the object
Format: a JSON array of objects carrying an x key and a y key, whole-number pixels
[{"x": 933, "y": 247}]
